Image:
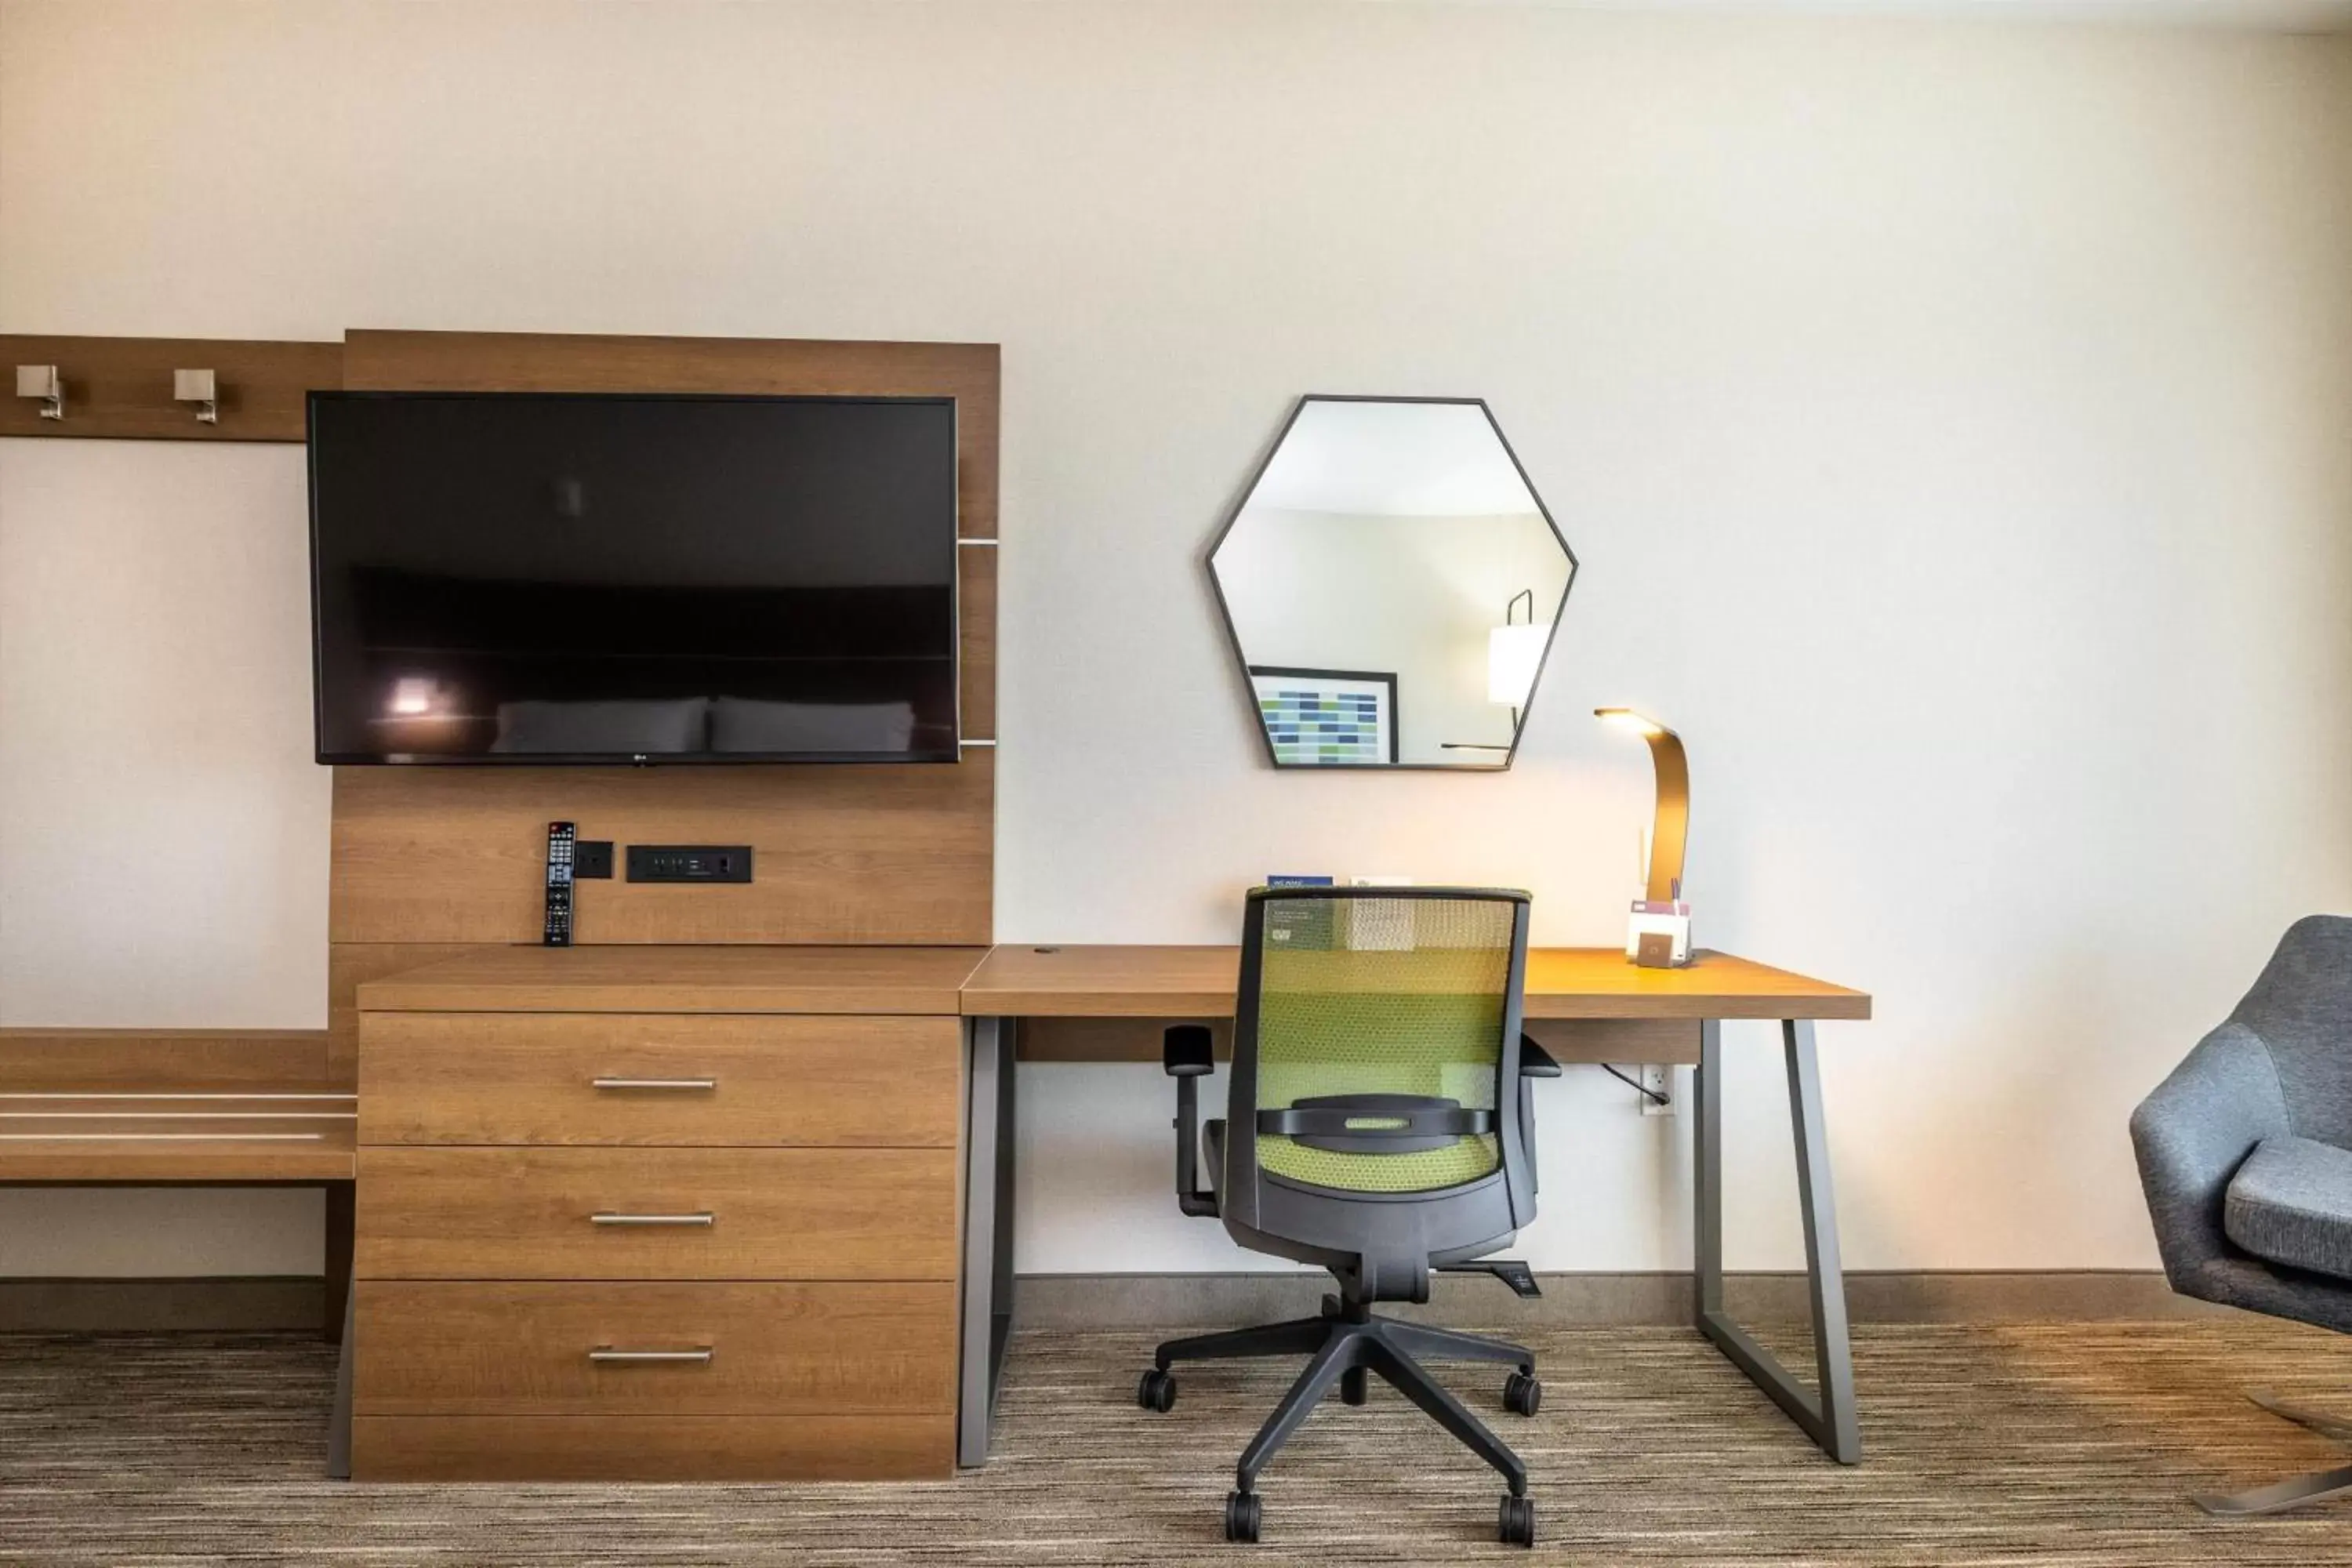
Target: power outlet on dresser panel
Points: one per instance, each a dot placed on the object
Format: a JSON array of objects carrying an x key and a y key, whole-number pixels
[{"x": 689, "y": 862}]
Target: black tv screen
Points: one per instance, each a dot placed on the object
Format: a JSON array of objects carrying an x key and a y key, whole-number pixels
[{"x": 525, "y": 577}]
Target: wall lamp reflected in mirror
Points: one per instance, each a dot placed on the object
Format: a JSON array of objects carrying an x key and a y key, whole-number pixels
[
  {"x": 1658, "y": 934},
  {"x": 43, "y": 382},
  {"x": 1515, "y": 653}
]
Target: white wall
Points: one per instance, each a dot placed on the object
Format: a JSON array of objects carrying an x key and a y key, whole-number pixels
[
  {"x": 1952, "y": 419},
  {"x": 163, "y": 827}
]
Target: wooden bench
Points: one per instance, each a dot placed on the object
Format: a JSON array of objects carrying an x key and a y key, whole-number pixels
[{"x": 198, "y": 1108}]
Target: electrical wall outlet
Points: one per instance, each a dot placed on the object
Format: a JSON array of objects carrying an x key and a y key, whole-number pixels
[
  {"x": 1658, "y": 1078},
  {"x": 689, "y": 862}
]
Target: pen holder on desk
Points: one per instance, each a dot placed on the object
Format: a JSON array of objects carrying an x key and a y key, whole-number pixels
[{"x": 1657, "y": 934}]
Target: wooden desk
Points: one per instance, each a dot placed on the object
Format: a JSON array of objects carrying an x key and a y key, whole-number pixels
[
  {"x": 1581, "y": 982},
  {"x": 1108, "y": 1004},
  {"x": 1066, "y": 1003},
  {"x": 1081, "y": 1003}
]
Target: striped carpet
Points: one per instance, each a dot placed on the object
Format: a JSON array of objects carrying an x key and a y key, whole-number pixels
[{"x": 2057, "y": 1444}]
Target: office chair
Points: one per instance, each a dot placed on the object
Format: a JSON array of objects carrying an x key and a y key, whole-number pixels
[{"x": 1376, "y": 1124}]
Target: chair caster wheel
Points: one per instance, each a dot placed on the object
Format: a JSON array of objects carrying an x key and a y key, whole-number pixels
[
  {"x": 1241, "y": 1516},
  {"x": 1516, "y": 1526},
  {"x": 1356, "y": 1385},
  {"x": 1156, "y": 1389},
  {"x": 1522, "y": 1394}
]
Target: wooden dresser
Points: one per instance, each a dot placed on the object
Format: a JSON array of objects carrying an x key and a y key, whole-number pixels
[{"x": 659, "y": 1213}]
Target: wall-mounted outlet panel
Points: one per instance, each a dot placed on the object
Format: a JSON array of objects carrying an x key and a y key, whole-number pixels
[
  {"x": 1657, "y": 1078},
  {"x": 689, "y": 862}
]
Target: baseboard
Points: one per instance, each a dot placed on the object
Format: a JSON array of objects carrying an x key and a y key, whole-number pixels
[
  {"x": 245, "y": 1304},
  {"x": 1212, "y": 1300}
]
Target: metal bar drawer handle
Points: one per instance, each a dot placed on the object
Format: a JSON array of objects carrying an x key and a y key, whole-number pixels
[
  {"x": 684, "y": 1084},
  {"x": 705, "y": 1217},
  {"x": 607, "y": 1355}
]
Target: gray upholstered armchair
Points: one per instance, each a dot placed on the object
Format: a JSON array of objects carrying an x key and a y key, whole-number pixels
[{"x": 2245, "y": 1152}]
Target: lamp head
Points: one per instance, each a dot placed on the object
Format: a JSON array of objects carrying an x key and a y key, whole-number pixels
[{"x": 1629, "y": 719}]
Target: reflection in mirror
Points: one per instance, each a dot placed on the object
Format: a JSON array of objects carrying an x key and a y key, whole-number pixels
[{"x": 1391, "y": 583}]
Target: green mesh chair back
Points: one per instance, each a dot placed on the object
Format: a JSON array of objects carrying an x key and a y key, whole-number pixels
[{"x": 1365, "y": 1001}]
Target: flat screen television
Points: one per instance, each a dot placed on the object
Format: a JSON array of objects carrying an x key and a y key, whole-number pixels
[{"x": 543, "y": 578}]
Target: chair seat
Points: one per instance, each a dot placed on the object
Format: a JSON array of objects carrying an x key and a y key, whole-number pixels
[{"x": 2291, "y": 1202}]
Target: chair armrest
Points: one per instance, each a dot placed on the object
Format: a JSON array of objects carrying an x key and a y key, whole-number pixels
[
  {"x": 1185, "y": 1056},
  {"x": 1184, "y": 1051},
  {"x": 1534, "y": 1062},
  {"x": 2191, "y": 1136}
]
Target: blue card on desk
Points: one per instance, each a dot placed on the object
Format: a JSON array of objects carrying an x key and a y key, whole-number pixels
[{"x": 1305, "y": 924}]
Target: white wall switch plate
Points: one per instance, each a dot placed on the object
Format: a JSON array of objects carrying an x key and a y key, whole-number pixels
[{"x": 1658, "y": 1078}]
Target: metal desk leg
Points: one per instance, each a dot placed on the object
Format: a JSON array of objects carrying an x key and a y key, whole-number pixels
[
  {"x": 339, "y": 1423},
  {"x": 987, "y": 1231},
  {"x": 341, "y": 1214},
  {"x": 1828, "y": 1417}
]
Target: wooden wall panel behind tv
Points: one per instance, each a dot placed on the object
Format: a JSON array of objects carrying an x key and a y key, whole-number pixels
[
  {"x": 882, "y": 853},
  {"x": 887, "y": 854}
]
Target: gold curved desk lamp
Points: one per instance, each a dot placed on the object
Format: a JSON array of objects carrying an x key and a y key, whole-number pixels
[{"x": 1658, "y": 936}]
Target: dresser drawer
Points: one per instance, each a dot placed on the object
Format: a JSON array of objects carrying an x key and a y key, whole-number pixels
[
  {"x": 576, "y": 1348},
  {"x": 659, "y": 1079},
  {"x": 652, "y": 1447},
  {"x": 657, "y": 1214}
]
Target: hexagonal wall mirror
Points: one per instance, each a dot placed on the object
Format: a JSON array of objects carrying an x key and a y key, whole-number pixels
[{"x": 1391, "y": 583}]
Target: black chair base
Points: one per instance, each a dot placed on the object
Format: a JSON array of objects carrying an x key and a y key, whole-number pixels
[{"x": 1344, "y": 1345}]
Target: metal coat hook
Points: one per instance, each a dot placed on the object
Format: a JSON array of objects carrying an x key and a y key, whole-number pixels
[
  {"x": 42, "y": 381},
  {"x": 198, "y": 387}
]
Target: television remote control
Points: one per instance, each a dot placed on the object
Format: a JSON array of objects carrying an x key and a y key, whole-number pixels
[{"x": 561, "y": 837}]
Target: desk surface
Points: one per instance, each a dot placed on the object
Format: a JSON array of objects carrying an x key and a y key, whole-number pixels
[
  {"x": 654, "y": 979},
  {"x": 1019, "y": 981},
  {"x": 1022, "y": 981}
]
